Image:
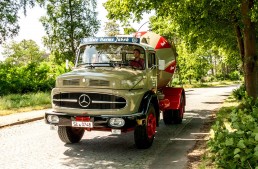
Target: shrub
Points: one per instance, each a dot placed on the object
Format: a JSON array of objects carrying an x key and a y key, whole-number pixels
[
  {"x": 220, "y": 76},
  {"x": 235, "y": 75},
  {"x": 239, "y": 93},
  {"x": 235, "y": 142},
  {"x": 32, "y": 77},
  {"x": 176, "y": 81},
  {"x": 210, "y": 78}
]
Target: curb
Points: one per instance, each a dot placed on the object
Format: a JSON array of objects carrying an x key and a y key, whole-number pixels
[
  {"x": 21, "y": 122},
  {"x": 22, "y": 118}
]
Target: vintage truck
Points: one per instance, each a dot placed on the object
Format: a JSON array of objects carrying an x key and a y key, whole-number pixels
[{"x": 104, "y": 92}]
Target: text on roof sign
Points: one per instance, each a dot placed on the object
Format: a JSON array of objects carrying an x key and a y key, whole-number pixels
[{"x": 112, "y": 39}]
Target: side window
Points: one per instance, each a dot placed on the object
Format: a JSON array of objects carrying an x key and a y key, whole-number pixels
[{"x": 151, "y": 60}]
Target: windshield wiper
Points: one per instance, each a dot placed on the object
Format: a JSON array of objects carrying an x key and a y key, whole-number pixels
[
  {"x": 93, "y": 65},
  {"x": 119, "y": 63},
  {"x": 86, "y": 65}
]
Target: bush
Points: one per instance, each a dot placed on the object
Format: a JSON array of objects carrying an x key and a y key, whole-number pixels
[
  {"x": 32, "y": 77},
  {"x": 234, "y": 75},
  {"x": 210, "y": 78},
  {"x": 176, "y": 81},
  {"x": 220, "y": 77},
  {"x": 239, "y": 93},
  {"x": 235, "y": 142}
]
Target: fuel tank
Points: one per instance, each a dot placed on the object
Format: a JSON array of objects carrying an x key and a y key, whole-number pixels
[{"x": 165, "y": 50}]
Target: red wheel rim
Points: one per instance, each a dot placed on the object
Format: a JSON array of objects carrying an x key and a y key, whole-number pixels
[{"x": 151, "y": 125}]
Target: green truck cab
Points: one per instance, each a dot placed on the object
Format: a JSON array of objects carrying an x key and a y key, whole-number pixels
[{"x": 108, "y": 91}]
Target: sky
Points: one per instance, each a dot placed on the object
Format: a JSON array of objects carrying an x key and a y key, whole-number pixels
[{"x": 31, "y": 27}]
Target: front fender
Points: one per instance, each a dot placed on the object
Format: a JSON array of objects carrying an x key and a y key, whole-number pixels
[{"x": 149, "y": 98}]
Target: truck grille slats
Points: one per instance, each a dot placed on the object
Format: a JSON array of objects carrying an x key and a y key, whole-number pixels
[
  {"x": 89, "y": 101},
  {"x": 99, "y": 82},
  {"x": 71, "y": 82}
]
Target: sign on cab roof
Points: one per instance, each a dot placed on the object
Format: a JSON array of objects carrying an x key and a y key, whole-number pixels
[{"x": 111, "y": 39}]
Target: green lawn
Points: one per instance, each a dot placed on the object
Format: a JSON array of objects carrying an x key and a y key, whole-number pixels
[{"x": 15, "y": 103}]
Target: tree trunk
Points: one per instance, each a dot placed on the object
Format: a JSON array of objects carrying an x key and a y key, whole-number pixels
[
  {"x": 240, "y": 41},
  {"x": 212, "y": 68},
  {"x": 215, "y": 65},
  {"x": 241, "y": 47},
  {"x": 250, "y": 58},
  {"x": 72, "y": 30}
]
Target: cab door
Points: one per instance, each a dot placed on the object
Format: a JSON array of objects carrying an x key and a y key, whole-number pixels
[{"x": 152, "y": 70}]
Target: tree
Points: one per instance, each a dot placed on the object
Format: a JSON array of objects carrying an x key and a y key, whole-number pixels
[
  {"x": 129, "y": 30},
  {"x": 164, "y": 27},
  {"x": 229, "y": 57},
  {"x": 66, "y": 23},
  {"x": 9, "y": 16},
  {"x": 111, "y": 28},
  {"x": 22, "y": 53},
  {"x": 227, "y": 24},
  {"x": 8, "y": 19},
  {"x": 193, "y": 65}
]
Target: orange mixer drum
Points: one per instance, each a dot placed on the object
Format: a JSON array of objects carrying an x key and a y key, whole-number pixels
[{"x": 164, "y": 51}]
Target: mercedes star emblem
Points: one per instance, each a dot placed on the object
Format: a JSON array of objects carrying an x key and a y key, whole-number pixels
[{"x": 84, "y": 100}]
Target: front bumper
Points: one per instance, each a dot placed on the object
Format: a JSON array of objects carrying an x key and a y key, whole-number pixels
[{"x": 100, "y": 122}]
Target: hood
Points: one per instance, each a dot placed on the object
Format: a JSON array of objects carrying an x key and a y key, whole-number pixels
[{"x": 113, "y": 78}]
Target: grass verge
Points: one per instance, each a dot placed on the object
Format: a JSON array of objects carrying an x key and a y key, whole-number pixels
[
  {"x": 15, "y": 103},
  {"x": 210, "y": 84}
]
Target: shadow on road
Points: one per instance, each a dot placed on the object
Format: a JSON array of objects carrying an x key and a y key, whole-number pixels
[{"x": 109, "y": 151}]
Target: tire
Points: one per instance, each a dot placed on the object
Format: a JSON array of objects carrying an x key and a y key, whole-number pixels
[
  {"x": 69, "y": 134},
  {"x": 174, "y": 116},
  {"x": 177, "y": 119},
  {"x": 178, "y": 114},
  {"x": 168, "y": 117},
  {"x": 144, "y": 134}
]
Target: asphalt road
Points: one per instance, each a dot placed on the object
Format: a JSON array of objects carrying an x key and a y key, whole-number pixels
[{"x": 34, "y": 145}]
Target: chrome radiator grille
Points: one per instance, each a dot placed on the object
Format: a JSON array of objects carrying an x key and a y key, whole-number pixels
[{"x": 89, "y": 101}]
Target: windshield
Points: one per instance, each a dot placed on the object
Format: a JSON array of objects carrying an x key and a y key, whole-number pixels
[{"x": 102, "y": 55}]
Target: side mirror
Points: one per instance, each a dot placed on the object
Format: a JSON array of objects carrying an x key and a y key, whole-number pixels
[
  {"x": 67, "y": 65},
  {"x": 161, "y": 64}
]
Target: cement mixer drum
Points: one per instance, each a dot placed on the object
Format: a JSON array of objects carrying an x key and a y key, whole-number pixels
[{"x": 165, "y": 51}]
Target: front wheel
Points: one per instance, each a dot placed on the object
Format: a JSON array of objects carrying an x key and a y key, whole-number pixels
[
  {"x": 144, "y": 134},
  {"x": 70, "y": 134}
]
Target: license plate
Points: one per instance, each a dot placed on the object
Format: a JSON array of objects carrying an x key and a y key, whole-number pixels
[
  {"x": 86, "y": 124},
  {"x": 115, "y": 131}
]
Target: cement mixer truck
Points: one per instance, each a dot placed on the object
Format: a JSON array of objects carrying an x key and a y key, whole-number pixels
[{"x": 105, "y": 92}]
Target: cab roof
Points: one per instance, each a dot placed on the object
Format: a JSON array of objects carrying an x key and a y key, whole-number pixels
[{"x": 118, "y": 40}]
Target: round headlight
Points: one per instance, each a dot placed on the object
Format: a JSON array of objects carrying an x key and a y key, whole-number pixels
[
  {"x": 116, "y": 122},
  {"x": 52, "y": 119}
]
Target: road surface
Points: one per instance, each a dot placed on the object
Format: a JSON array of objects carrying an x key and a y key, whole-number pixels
[{"x": 34, "y": 145}]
